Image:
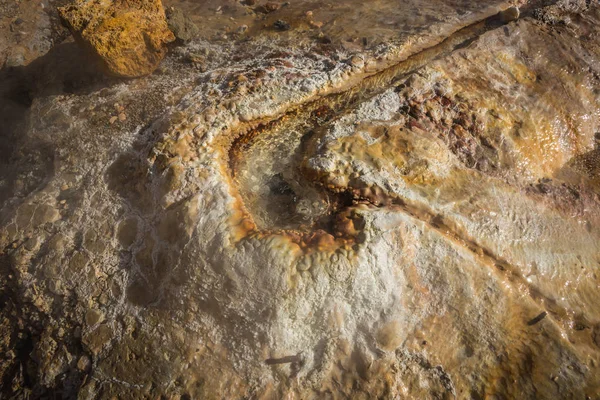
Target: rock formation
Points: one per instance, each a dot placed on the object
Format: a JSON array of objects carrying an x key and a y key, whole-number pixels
[
  {"x": 401, "y": 204},
  {"x": 130, "y": 36}
]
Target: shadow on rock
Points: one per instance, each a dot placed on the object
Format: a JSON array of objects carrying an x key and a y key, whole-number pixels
[
  {"x": 26, "y": 164},
  {"x": 65, "y": 69}
]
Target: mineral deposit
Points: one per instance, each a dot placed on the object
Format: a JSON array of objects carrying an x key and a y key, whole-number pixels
[{"x": 396, "y": 200}]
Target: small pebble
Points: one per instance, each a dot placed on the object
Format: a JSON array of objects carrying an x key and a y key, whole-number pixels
[
  {"x": 357, "y": 62},
  {"x": 270, "y": 7},
  {"x": 122, "y": 117},
  {"x": 282, "y": 25},
  {"x": 113, "y": 120},
  {"x": 83, "y": 363}
]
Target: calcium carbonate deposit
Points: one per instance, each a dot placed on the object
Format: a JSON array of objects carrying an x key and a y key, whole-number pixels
[{"x": 304, "y": 200}]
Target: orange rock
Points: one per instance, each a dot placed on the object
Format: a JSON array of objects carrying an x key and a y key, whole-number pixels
[{"x": 130, "y": 36}]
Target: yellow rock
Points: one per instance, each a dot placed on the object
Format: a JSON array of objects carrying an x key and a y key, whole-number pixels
[{"x": 130, "y": 36}]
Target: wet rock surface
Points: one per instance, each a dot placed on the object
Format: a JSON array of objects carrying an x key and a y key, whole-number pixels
[{"x": 381, "y": 201}]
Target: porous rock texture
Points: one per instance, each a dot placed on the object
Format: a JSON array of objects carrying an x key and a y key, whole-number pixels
[
  {"x": 282, "y": 216},
  {"x": 130, "y": 36}
]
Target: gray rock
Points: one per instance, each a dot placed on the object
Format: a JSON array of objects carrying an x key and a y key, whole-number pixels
[{"x": 181, "y": 25}]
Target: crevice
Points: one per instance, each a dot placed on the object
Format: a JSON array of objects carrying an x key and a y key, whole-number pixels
[
  {"x": 271, "y": 184},
  {"x": 482, "y": 254}
]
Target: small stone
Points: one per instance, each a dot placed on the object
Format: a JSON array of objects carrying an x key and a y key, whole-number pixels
[
  {"x": 282, "y": 25},
  {"x": 181, "y": 25},
  {"x": 245, "y": 116},
  {"x": 31, "y": 243},
  {"x": 98, "y": 338},
  {"x": 113, "y": 120},
  {"x": 357, "y": 62},
  {"x": 196, "y": 58},
  {"x": 15, "y": 60},
  {"x": 92, "y": 317},
  {"x": 270, "y": 7},
  {"x": 122, "y": 117},
  {"x": 103, "y": 299},
  {"x": 316, "y": 24},
  {"x": 83, "y": 363}
]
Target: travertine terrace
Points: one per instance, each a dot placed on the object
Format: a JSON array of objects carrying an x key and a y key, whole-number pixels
[{"x": 307, "y": 200}]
